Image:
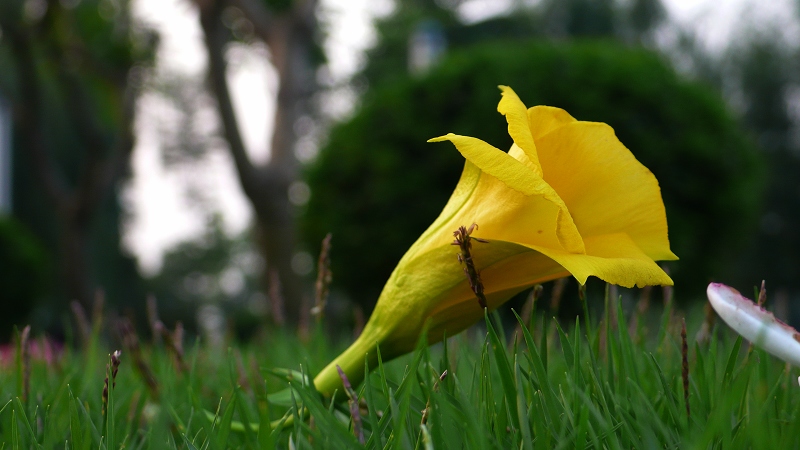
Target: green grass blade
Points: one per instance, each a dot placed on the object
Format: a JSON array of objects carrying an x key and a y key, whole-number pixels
[
  {"x": 24, "y": 418},
  {"x": 522, "y": 410},
  {"x": 566, "y": 347},
  {"x": 78, "y": 432},
  {"x": 224, "y": 430},
  {"x": 15, "y": 443},
  {"x": 732, "y": 358},
  {"x": 504, "y": 368}
]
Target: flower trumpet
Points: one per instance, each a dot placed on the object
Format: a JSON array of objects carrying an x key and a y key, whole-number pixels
[{"x": 567, "y": 198}]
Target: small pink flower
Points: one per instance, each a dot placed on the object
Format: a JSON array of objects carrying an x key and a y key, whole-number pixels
[{"x": 44, "y": 349}]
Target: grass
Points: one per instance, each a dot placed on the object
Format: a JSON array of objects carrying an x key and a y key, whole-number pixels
[{"x": 587, "y": 384}]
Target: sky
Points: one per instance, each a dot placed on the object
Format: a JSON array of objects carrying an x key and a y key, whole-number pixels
[{"x": 155, "y": 199}]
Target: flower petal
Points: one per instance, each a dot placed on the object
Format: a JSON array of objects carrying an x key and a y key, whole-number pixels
[
  {"x": 497, "y": 163},
  {"x": 605, "y": 188},
  {"x": 507, "y": 268},
  {"x": 518, "y": 125},
  {"x": 441, "y": 230},
  {"x": 614, "y": 258},
  {"x": 433, "y": 286},
  {"x": 519, "y": 177},
  {"x": 544, "y": 119},
  {"x": 754, "y": 323},
  {"x": 435, "y": 278}
]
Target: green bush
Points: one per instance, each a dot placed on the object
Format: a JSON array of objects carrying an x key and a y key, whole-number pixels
[{"x": 377, "y": 184}]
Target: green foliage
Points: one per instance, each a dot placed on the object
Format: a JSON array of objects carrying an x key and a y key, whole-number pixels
[
  {"x": 87, "y": 58},
  {"x": 24, "y": 275},
  {"x": 377, "y": 184},
  {"x": 590, "y": 385}
]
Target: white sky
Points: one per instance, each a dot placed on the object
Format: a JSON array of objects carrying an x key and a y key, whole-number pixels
[{"x": 155, "y": 199}]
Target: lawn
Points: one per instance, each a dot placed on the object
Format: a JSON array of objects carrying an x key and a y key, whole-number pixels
[{"x": 608, "y": 379}]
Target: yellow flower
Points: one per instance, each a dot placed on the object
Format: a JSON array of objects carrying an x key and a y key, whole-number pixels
[{"x": 568, "y": 198}]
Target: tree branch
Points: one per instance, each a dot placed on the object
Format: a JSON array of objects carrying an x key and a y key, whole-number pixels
[
  {"x": 262, "y": 19},
  {"x": 216, "y": 36}
]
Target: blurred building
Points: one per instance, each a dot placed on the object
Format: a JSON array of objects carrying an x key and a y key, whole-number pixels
[{"x": 426, "y": 46}]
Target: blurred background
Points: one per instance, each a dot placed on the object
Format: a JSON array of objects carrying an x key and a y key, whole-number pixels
[{"x": 197, "y": 152}]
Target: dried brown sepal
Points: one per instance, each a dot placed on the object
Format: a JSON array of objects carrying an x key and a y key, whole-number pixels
[
  {"x": 685, "y": 368},
  {"x": 558, "y": 291},
  {"x": 527, "y": 309},
  {"x": 115, "y": 362},
  {"x": 641, "y": 308},
  {"x": 464, "y": 241},
  {"x": 352, "y": 401},
  {"x": 762, "y": 294},
  {"x": 130, "y": 341},
  {"x": 111, "y": 367},
  {"x": 82, "y": 322},
  {"x": 324, "y": 278},
  {"x": 174, "y": 343},
  {"x": 704, "y": 333},
  {"x": 25, "y": 361},
  {"x": 134, "y": 408}
]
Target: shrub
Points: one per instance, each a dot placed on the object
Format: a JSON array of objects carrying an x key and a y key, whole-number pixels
[{"x": 377, "y": 184}]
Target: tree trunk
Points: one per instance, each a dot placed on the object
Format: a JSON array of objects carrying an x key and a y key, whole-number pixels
[
  {"x": 289, "y": 38},
  {"x": 74, "y": 264},
  {"x": 275, "y": 239}
]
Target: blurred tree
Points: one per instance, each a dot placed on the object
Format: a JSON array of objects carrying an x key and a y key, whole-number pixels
[
  {"x": 289, "y": 30},
  {"x": 644, "y": 17},
  {"x": 215, "y": 270},
  {"x": 377, "y": 184},
  {"x": 581, "y": 18},
  {"x": 764, "y": 72},
  {"x": 632, "y": 21},
  {"x": 388, "y": 60},
  {"x": 72, "y": 72}
]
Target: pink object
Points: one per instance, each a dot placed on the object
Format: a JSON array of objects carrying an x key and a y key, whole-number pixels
[{"x": 755, "y": 323}]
